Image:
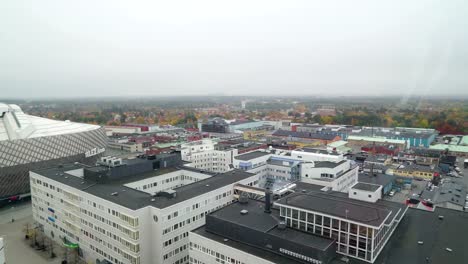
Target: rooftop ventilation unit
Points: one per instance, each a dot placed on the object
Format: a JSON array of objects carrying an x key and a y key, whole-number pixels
[
  {"x": 114, "y": 193},
  {"x": 244, "y": 212},
  {"x": 282, "y": 225},
  {"x": 243, "y": 198},
  {"x": 168, "y": 194}
]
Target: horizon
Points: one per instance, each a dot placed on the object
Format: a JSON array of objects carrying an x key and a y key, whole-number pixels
[{"x": 303, "y": 48}]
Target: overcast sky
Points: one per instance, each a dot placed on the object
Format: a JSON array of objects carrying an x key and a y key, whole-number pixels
[{"x": 97, "y": 48}]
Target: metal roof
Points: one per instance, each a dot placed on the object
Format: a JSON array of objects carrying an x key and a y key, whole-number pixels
[{"x": 14, "y": 124}]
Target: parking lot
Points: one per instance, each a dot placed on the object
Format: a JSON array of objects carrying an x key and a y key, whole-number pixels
[{"x": 416, "y": 188}]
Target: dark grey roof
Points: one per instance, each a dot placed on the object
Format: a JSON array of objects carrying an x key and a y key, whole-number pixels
[
  {"x": 251, "y": 155},
  {"x": 436, "y": 235},
  {"x": 318, "y": 151},
  {"x": 451, "y": 191},
  {"x": 287, "y": 133},
  {"x": 328, "y": 164},
  {"x": 228, "y": 226},
  {"x": 135, "y": 199},
  {"x": 339, "y": 205},
  {"x": 380, "y": 179},
  {"x": 415, "y": 167},
  {"x": 257, "y": 219},
  {"x": 366, "y": 187},
  {"x": 261, "y": 253}
]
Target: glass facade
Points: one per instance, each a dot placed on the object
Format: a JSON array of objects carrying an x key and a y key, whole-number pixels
[
  {"x": 18, "y": 157},
  {"x": 352, "y": 239}
]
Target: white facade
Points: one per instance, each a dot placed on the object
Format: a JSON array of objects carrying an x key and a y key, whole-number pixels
[
  {"x": 363, "y": 195},
  {"x": 354, "y": 239},
  {"x": 338, "y": 178},
  {"x": 167, "y": 181},
  {"x": 203, "y": 155},
  {"x": 316, "y": 156},
  {"x": 252, "y": 163},
  {"x": 106, "y": 230},
  {"x": 2, "y": 252},
  {"x": 208, "y": 251},
  {"x": 110, "y": 130}
]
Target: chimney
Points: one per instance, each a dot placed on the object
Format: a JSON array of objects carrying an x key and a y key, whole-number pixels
[{"x": 267, "y": 201}]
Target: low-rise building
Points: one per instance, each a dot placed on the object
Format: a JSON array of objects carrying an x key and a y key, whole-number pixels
[
  {"x": 359, "y": 142},
  {"x": 385, "y": 180},
  {"x": 455, "y": 150},
  {"x": 307, "y": 226},
  {"x": 314, "y": 154},
  {"x": 131, "y": 147},
  {"x": 318, "y": 138},
  {"x": 414, "y": 171}
]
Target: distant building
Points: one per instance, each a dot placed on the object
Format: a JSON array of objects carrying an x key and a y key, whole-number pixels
[
  {"x": 415, "y": 172},
  {"x": 320, "y": 138},
  {"x": 204, "y": 156},
  {"x": 216, "y": 125},
  {"x": 314, "y": 154},
  {"x": 369, "y": 142},
  {"x": 416, "y": 137},
  {"x": 455, "y": 150},
  {"x": 131, "y": 147}
]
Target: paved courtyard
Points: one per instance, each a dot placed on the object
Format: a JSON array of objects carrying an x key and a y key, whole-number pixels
[{"x": 18, "y": 250}]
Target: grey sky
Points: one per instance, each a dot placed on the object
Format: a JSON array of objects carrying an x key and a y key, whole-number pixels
[{"x": 96, "y": 48}]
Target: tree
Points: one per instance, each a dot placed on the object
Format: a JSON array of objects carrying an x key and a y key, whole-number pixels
[{"x": 140, "y": 120}]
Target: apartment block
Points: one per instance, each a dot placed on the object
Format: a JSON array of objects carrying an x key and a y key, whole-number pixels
[{"x": 128, "y": 211}]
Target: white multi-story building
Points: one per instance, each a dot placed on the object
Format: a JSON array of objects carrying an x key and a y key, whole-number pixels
[
  {"x": 129, "y": 218},
  {"x": 337, "y": 175},
  {"x": 312, "y": 154},
  {"x": 203, "y": 155}
]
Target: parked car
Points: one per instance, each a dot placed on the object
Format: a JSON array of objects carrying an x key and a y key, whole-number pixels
[{"x": 392, "y": 193}]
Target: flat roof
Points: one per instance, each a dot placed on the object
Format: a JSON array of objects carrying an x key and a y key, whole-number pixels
[
  {"x": 261, "y": 253},
  {"x": 380, "y": 179},
  {"x": 366, "y": 187},
  {"x": 456, "y": 148},
  {"x": 436, "y": 235},
  {"x": 267, "y": 223},
  {"x": 135, "y": 199},
  {"x": 377, "y": 139},
  {"x": 251, "y": 155},
  {"x": 329, "y": 164},
  {"x": 317, "y": 151},
  {"x": 339, "y": 205}
]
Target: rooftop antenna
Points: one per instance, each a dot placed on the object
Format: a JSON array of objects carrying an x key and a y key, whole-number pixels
[
  {"x": 346, "y": 211},
  {"x": 372, "y": 162}
]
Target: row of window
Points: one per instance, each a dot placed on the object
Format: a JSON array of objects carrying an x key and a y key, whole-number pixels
[
  {"x": 220, "y": 258},
  {"x": 197, "y": 205},
  {"x": 175, "y": 239},
  {"x": 175, "y": 252}
]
